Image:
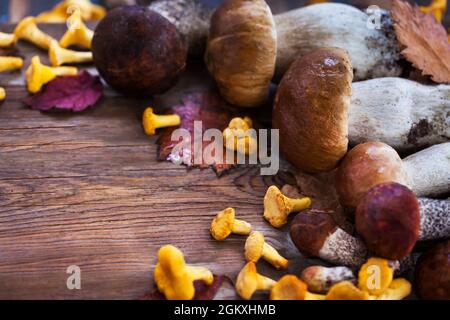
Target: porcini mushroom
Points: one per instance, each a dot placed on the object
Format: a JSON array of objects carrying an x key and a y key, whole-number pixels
[
  {"x": 249, "y": 281},
  {"x": 245, "y": 44},
  {"x": 28, "y": 30},
  {"x": 346, "y": 290},
  {"x": 318, "y": 111},
  {"x": 432, "y": 273},
  {"x": 316, "y": 234},
  {"x": 7, "y": 40},
  {"x": 368, "y": 164},
  {"x": 77, "y": 33},
  {"x": 174, "y": 278},
  {"x": 289, "y": 287},
  {"x": 10, "y": 63},
  {"x": 256, "y": 248},
  {"x": 225, "y": 223},
  {"x": 152, "y": 121},
  {"x": 152, "y": 52},
  {"x": 277, "y": 206},
  {"x": 237, "y": 137},
  {"x": 320, "y": 279},
  {"x": 59, "y": 56},
  {"x": 388, "y": 219},
  {"x": 190, "y": 17},
  {"x": 38, "y": 74}
]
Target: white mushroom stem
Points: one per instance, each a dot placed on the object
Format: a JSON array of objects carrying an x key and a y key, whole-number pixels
[
  {"x": 434, "y": 219},
  {"x": 373, "y": 52},
  {"x": 320, "y": 279},
  {"x": 428, "y": 171},
  {"x": 401, "y": 113},
  {"x": 190, "y": 17}
]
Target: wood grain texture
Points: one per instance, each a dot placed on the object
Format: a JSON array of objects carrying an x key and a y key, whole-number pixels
[{"x": 85, "y": 189}]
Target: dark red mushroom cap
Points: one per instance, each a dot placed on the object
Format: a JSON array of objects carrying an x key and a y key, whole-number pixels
[
  {"x": 310, "y": 229},
  {"x": 388, "y": 219},
  {"x": 433, "y": 273}
]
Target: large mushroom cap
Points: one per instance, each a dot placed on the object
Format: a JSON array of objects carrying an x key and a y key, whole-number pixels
[
  {"x": 241, "y": 51},
  {"x": 388, "y": 219},
  {"x": 222, "y": 225},
  {"x": 311, "y": 109},
  {"x": 365, "y": 166},
  {"x": 254, "y": 246},
  {"x": 247, "y": 281}
]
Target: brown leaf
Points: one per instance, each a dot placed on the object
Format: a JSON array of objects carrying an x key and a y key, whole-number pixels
[
  {"x": 207, "y": 107},
  {"x": 202, "y": 291},
  {"x": 424, "y": 40}
]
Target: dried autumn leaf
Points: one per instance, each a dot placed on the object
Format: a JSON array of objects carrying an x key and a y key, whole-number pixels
[
  {"x": 75, "y": 93},
  {"x": 207, "y": 107},
  {"x": 424, "y": 40},
  {"x": 202, "y": 291}
]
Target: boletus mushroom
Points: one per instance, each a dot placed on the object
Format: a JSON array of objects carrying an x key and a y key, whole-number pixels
[
  {"x": 138, "y": 52},
  {"x": 241, "y": 54},
  {"x": 318, "y": 111},
  {"x": 432, "y": 273},
  {"x": 371, "y": 163}
]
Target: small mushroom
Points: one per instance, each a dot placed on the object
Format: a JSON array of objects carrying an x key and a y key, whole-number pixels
[
  {"x": 174, "y": 278},
  {"x": 237, "y": 138},
  {"x": 10, "y": 63},
  {"x": 315, "y": 129},
  {"x": 256, "y": 248},
  {"x": 77, "y": 33},
  {"x": 366, "y": 165},
  {"x": 38, "y": 74},
  {"x": 152, "y": 121},
  {"x": 346, "y": 290},
  {"x": 2, "y": 94},
  {"x": 398, "y": 289},
  {"x": 437, "y": 8},
  {"x": 277, "y": 206},
  {"x": 289, "y": 287},
  {"x": 59, "y": 56},
  {"x": 320, "y": 279},
  {"x": 246, "y": 43},
  {"x": 249, "y": 281},
  {"x": 59, "y": 13},
  {"x": 316, "y": 234},
  {"x": 388, "y": 219},
  {"x": 225, "y": 224},
  {"x": 7, "y": 40},
  {"x": 432, "y": 273},
  {"x": 28, "y": 30},
  {"x": 375, "y": 276}
]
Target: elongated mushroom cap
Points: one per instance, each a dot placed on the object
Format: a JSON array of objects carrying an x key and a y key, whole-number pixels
[
  {"x": 241, "y": 51},
  {"x": 248, "y": 281},
  {"x": 388, "y": 219},
  {"x": 311, "y": 109},
  {"x": 433, "y": 273},
  {"x": 222, "y": 224},
  {"x": 365, "y": 166}
]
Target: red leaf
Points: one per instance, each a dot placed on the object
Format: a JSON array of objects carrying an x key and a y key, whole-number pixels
[
  {"x": 207, "y": 107},
  {"x": 74, "y": 93},
  {"x": 202, "y": 291}
]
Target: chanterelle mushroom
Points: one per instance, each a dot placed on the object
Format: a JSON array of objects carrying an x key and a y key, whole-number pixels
[
  {"x": 77, "y": 33},
  {"x": 174, "y": 278},
  {"x": 237, "y": 136},
  {"x": 346, "y": 290},
  {"x": 277, "y": 206},
  {"x": 249, "y": 281},
  {"x": 28, "y": 30},
  {"x": 318, "y": 111},
  {"x": 375, "y": 276},
  {"x": 256, "y": 248},
  {"x": 244, "y": 41},
  {"x": 225, "y": 223},
  {"x": 371, "y": 163},
  {"x": 152, "y": 121}
]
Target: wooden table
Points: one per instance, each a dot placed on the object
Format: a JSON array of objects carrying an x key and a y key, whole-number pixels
[{"x": 86, "y": 190}]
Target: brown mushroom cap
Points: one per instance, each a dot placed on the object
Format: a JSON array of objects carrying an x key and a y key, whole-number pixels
[
  {"x": 241, "y": 51},
  {"x": 433, "y": 273},
  {"x": 365, "y": 166},
  {"x": 138, "y": 52},
  {"x": 311, "y": 109},
  {"x": 388, "y": 219},
  {"x": 310, "y": 229}
]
